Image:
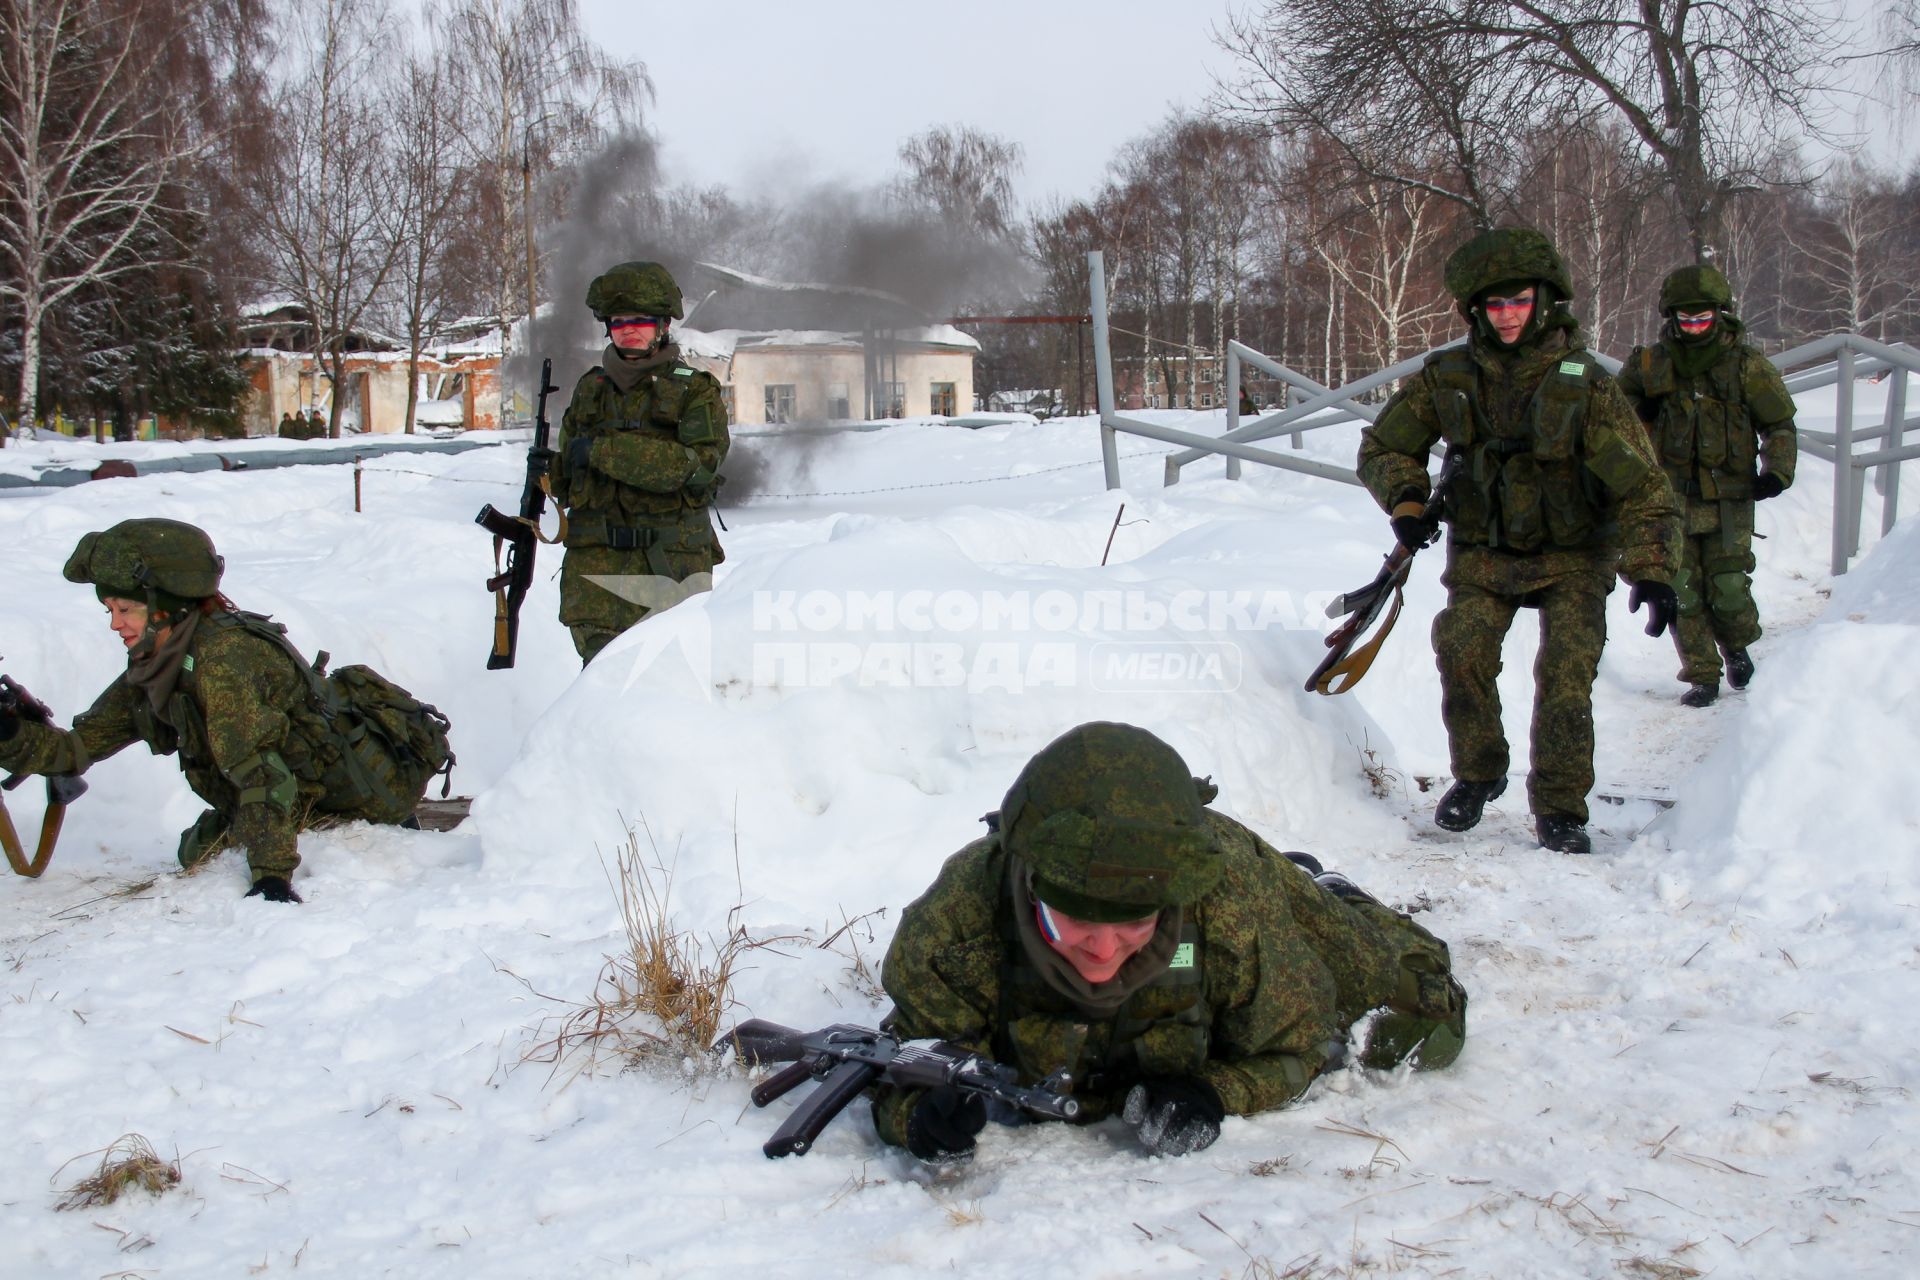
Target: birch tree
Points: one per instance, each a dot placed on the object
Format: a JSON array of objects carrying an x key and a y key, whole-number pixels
[{"x": 91, "y": 141}]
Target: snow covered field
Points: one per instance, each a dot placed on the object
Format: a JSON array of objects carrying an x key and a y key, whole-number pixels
[{"x": 1689, "y": 1054}]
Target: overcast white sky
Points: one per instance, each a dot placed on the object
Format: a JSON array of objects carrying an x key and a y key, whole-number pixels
[{"x": 761, "y": 94}]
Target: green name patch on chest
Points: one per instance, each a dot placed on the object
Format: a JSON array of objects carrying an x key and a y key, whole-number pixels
[{"x": 1572, "y": 368}]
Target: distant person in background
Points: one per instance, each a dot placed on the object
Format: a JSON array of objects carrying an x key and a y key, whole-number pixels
[
  {"x": 227, "y": 693},
  {"x": 1247, "y": 407},
  {"x": 290, "y": 429},
  {"x": 1178, "y": 966},
  {"x": 1722, "y": 425},
  {"x": 637, "y": 464},
  {"x": 316, "y": 425}
]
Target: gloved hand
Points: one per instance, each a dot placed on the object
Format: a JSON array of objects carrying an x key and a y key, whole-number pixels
[
  {"x": 1662, "y": 605},
  {"x": 1768, "y": 485},
  {"x": 942, "y": 1125},
  {"x": 274, "y": 889},
  {"x": 1410, "y": 523},
  {"x": 579, "y": 453},
  {"x": 539, "y": 461},
  {"x": 1174, "y": 1116}
]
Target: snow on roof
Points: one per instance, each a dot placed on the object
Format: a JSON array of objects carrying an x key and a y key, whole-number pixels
[{"x": 720, "y": 344}]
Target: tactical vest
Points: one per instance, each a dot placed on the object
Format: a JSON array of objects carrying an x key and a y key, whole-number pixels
[
  {"x": 1703, "y": 430},
  {"x": 656, "y": 405},
  {"x": 1163, "y": 1029},
  {"x": 1527, "y": 490}
]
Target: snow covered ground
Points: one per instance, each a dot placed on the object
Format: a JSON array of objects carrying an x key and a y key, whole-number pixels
[{"x": 1688, "y": 1054}]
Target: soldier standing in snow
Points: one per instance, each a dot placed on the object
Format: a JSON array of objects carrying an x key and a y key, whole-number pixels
[
  {"x": 225, "y": 691},
  {"x": 637, "y": 464},
  {"x": 1558, "y": 491},
  {"x": 1177, "y": 965},
  {"x": 1715, "y": 406}
]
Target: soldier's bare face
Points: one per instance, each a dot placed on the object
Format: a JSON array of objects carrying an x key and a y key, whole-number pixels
[
  {"x": 1693, "y": 323},
  {"x": 1509, "y": 316},
  {"x": 633, "y": 333},
  {"x": 1096, "y": 951},
  {"x": 128, "y": 618}
]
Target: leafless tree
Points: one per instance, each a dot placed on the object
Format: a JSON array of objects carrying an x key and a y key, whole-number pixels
[
  {"x": 1704, "y": 89},
  {"x": 324, "y": 197},
  {"x": 963, "y": 174},
  {"x": 1849, "y": 268},
  {"x": 541, "y": 95},
  {"x": 93, "y": 137}
]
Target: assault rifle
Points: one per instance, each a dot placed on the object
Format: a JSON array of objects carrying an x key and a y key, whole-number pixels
[
  {"x": 62, "y": 790},
  {"x": 846, "y": 1059},
  {"x": 521, "y": 534},
  {"x": 1344, "y": 662}
]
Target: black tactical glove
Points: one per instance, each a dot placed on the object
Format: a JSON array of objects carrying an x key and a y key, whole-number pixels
[
  {"x": 1174, "y": 1116},
  {"x": 274, "y": 889},
  {"x": 1662, "y": 604},
  {"x": 539, "y": 461},
  {"x": 579, "y": 451},
  {"x": 1768, "y": 485},
  {"x": 1411, "y": 524},
  {"x": 942, "y": 1125}
]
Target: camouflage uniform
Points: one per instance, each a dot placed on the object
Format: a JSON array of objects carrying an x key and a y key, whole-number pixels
[
  {"x": 636, "y": 466},
  {"x": 238, "y": 713},
  {"x": 1260, "y": 976},
  {"x": 1558, "y": 491},
  {"x": 1714, "y": 406}
]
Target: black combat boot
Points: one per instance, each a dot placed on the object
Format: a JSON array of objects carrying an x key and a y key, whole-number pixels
[
  {"x": 1305, "y": 861},
  {"x": 1561, "y": 833},
  {"x": 1739, "y": 668},
  {"x": 1460, "y": 807},
  {"x": 1342, "y": 888},
  {"x": 1701, "y": 695}
]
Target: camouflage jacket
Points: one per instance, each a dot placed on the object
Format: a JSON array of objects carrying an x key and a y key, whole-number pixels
[
  {"x": 1710, "y": 427},
  {"x": 240, "y": 720},
  {"x": 1555, "y": 464},
  {"x": 1271, "y": 972},
  {"x": 655, "y": 453}
]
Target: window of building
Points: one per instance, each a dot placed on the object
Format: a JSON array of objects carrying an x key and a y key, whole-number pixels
[
  {"x": 943, "y": 399},
  {"x": 838, "y": 405},
  {"x": 1206, "y": 400},
  {"x": 779, "y": 403}
]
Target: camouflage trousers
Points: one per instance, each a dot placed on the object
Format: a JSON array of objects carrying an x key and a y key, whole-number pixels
[
  {"x": 1467, "y": 636},
  {"x": 1715, "y": 588},
  {"x": 605, "y": 590}
]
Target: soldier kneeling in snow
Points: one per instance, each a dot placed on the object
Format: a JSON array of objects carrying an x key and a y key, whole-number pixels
[{"x": 1175, "y": 963}]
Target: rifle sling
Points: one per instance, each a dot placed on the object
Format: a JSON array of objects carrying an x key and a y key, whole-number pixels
[
  {"x": 43, "y": 852},
  {"x": 1352, "y": 663}
]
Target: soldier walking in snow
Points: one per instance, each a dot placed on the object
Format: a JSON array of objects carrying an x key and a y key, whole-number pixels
[
  {"x": 637, "y": 464},
  {"x": 1558, "y": 491},
  {"x": 1172, "y": 961},
  {"x": 259, "y": 737},
  {"x": 1715, "y": 407}
]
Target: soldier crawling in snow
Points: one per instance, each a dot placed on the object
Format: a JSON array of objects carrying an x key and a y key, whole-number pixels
[
  {"x": 259, "y": 736},
  {"x": 1177, "y": 965},
  {"x": 637, "y": 463}
]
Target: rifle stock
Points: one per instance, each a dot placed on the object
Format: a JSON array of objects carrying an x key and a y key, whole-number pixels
[{"x": 520, "y": 535}]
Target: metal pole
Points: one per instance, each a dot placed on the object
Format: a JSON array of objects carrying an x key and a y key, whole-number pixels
[
  {"x": 356, "y": 484},
  {"x": 1103, "y": 365},
  {"x": 1842, "y": 463},
  {"x": 1233, "y": 406},
  {"x": 1890, "y": 475}
]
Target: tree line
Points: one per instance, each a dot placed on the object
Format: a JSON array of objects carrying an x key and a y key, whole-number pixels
[{"x": 166, "y": 163}]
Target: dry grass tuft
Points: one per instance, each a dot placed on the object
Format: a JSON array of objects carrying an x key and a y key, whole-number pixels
[
  {"x": 130, "y": 1164},
  {"x": 659, "y": 1001}
]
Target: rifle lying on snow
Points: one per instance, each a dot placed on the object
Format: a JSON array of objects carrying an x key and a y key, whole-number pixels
[
  {"x": 521, "y": 534},
  {"x": 846, "y": 1059},
  {"x": 62, "y": 790},
  {"x": 1344, "y": 662}
]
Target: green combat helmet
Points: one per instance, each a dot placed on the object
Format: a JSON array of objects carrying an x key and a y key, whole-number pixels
[
  {"x": 633, "y": 289},
  {"x": 1695, "y": 289},
  {"x": 166, "y": 563},
  {"x": 1112, "y": 825},
  {"x": 1497, "y": 257}
]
